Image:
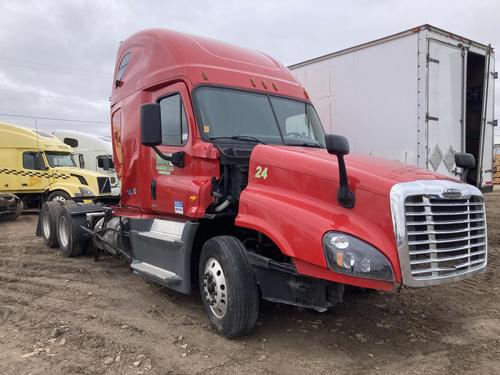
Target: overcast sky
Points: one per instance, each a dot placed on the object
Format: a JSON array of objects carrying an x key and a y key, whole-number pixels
[{"x": 57, "y": 57}]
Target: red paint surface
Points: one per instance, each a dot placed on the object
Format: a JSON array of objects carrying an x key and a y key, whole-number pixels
[{"x": 295, "y": 205}]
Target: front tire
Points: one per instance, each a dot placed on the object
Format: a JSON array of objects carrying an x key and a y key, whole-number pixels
[
  {"x": 58, "y": 196},
  {"x": 228, "y": 287}
]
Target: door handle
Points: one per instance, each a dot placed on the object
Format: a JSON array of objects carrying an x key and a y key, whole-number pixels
[{"x": 153, "y": 189}]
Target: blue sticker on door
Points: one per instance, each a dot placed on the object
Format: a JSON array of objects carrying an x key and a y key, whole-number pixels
[{"x": 179, "y": 207}]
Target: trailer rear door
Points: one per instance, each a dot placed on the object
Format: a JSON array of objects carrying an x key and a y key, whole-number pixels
[
  {"x": 485, "y": 175},
  {"x": 445, "y": 104}
]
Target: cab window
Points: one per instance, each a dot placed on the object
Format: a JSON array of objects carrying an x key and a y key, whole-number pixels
[
  {"x": 103, "y": 159},
  {"x": 174, "y": 128},
  {"x": 33, "y": 160},
  {"x": 123, "y": 67}
]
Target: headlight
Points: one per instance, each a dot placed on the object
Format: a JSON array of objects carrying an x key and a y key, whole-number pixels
[
  {"x": 86, "y": 192},
  {"x": 348, "y": 255}
]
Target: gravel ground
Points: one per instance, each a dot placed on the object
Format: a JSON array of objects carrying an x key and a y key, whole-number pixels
[{"x": 75, "y": 316}]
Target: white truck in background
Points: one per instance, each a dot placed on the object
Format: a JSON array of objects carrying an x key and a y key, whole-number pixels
[
  {"x": 92, "y": 152},
  {"x": 417, "y": 97}
]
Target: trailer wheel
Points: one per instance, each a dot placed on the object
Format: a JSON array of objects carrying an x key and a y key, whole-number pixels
[
  {"x": 228, "y": 287},
  {"x": 58, "y": 196},
  {"x": 48, "y": 216},
  {"x": 67, "y": 236}
]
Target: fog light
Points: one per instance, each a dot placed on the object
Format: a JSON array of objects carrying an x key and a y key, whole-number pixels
[
  {"x": 365, "y": 265},
  {"x": 340, "y": 242}
]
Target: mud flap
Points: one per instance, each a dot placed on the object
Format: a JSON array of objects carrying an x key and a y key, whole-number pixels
[{"x": 39, "y": 226}]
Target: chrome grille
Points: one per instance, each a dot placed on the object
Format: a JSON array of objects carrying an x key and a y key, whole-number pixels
[{"x": 445, "y": 237}]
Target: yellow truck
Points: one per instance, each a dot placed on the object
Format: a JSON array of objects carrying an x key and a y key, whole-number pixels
[{"x": 37, "y": 167}]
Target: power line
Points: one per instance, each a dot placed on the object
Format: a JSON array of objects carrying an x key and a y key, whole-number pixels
[
  {"x": 60, "y": 97},
  {"x": 53, "y": 66},
  {"x": 58, "y": 70},
  {"x": 54, "y": 118}
]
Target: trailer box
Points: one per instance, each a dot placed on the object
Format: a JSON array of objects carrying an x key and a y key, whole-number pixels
[{"x": 418, "y": 97}]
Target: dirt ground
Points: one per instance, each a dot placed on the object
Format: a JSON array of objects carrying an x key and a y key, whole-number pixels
[{"x": 75, "y": 316}]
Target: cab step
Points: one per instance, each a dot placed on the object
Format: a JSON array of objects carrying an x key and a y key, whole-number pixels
[{"x": 158, "y": 274}]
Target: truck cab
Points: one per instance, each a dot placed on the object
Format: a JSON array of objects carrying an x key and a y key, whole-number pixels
[
  {"x": 93, "y": 152},
  {"x": 230, "y": 183},
  {"x": 35, "y": 166}
]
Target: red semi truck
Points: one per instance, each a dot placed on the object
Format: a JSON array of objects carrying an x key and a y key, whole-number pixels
[{"x": 229, "y": 183}]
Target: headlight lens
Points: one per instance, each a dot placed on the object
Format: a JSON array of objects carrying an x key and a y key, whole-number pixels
[
  {"x": 348, "y": 255},
  {"x": 86, "y": 192}
]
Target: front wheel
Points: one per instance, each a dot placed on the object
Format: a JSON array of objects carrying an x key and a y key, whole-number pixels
[
  {"x": 228, "y": 287},
  {"x": 58, "y": 196}
]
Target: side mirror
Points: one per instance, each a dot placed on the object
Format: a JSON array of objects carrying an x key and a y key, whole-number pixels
[
  {"x": 105, "y": 163},
  {"x": 339, "y": 146},
  {"x": 466, "y": 162},
  {"x": 81, "y": 160},
  {"x": 151, "y": 133},
  {"x": 151, "y": 124},
  {"x": 39, "y": 163}
]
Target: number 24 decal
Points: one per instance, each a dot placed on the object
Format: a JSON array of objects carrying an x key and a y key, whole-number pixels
[{"x": 261, "y": 172}]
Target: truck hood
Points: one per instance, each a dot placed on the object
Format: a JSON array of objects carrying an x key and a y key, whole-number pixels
[
  {"x": 79, "y": 171},
  {"x": 364, "y": 172}
]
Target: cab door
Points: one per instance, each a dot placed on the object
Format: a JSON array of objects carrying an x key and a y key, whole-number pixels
[
  {"x": 32, "y": 174},
  {"x": 170, "y": 186}
]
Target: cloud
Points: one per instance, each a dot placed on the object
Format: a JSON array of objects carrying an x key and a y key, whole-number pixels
[{"x": 71, "y": 45}]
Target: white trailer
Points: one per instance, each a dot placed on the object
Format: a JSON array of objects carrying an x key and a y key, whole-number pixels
[
  {"x": 417, "y": 97},
  {"x": 92, "y": 152}
]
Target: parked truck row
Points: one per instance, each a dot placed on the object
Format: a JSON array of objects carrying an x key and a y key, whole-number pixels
[
  {"x": 230, "y": 184},
  {"x": 35, "y": 166}
]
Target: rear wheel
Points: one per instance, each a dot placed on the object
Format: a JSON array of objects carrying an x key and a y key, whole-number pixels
[
  {"x": 228, "y": 287},
  {"x": 67, "y": 236},
  {"x": 48, "y": 216}
]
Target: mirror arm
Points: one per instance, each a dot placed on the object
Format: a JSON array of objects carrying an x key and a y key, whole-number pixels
[
  {"x": 177, "y": 158},
  {"x": 345, "y": 197},
  {"x": 465, "y": 172},
  {"x": 161, "y": 154}
]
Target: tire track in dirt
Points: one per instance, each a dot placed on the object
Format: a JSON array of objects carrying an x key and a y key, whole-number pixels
[{"x": 104, "y": 310}]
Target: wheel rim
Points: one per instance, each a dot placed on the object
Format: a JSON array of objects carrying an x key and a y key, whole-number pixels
[
  {"x": 63, "y": 231},
  {"x": 46, "y": 224},
  {"x": 215, "y": 287},
  {"x": 59, "y": 198}
]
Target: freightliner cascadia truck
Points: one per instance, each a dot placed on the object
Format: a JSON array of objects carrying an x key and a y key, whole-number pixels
[{"x": 229, "y": 183}]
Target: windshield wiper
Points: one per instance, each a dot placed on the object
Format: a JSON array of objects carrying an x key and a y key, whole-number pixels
[
  {"x": 305, "y": 144},
  {"x": 239, "y": 137}
]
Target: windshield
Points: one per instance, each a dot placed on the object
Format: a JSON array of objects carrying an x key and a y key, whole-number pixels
[
  {"x": 60, "y": 159},
  {"x": 231, "y": 113}
]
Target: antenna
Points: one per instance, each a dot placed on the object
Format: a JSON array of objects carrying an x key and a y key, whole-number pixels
[{"x": 36, "y": 132}]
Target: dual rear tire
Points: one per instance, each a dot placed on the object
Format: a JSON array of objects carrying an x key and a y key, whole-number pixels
[{"x": 57, "y": 228}]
